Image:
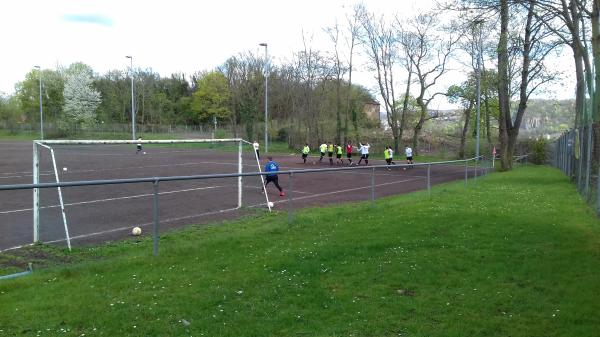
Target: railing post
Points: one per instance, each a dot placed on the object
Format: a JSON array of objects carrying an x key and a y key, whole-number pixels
[
  {"x": 466, "y": 172},
  {"x": 290, "y": 199},
  {"x": 429, "y": 180},
  {"x": 155, "y": 216},
  {"x": 36, "y": 194},
  {"x": 373, "y": 186},
  {"x": 240, "y": 171}
]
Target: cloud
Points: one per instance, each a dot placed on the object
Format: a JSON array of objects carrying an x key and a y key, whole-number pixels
[{"x": 94, "y": 19}]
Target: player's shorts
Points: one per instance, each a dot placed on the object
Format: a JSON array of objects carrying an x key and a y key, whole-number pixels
[
  {"x": 339, "y": 156},
  {"x": 364, "y": 156},
  {"x": 389, "y": 161},
  {"x": 330, "y": 154},
  {"x": 322, "y": 154},
  {"x": 273, "y": 178},
  {"x": 304, "y": 155},
  {"x": 409, "y": 158},
  {"x": 349, "y": 155},
  {"x": 139, "y": 147}
]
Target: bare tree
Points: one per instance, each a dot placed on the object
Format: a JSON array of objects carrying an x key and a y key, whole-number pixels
[
  {"x": 428, "y": 48},
  {"x": 382, "y": 49}
]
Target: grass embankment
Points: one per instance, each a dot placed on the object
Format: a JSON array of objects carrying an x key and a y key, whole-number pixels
[{"x": 516, "y": 255}]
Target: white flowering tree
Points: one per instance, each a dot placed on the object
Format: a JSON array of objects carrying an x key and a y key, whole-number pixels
[{"x": 80, "y": 97}]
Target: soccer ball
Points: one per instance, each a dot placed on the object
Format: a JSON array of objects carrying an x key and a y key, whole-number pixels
[
  {"x": 136, "y": 231},
  {"x": 271, "y": 204},
  {"x": 144, "y": 152},
  {"x": 65, "y": 169}
]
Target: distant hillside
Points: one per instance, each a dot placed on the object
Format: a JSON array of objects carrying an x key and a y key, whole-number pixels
[{"x": 547, "y": 117}]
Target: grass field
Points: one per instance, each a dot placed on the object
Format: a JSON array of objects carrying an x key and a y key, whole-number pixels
[{"x": 518, "y": 254}]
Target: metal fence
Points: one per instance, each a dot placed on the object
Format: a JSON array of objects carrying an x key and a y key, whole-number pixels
[
  {"x": 576, "y": 154},
  {"x": 472, "y": 169}
]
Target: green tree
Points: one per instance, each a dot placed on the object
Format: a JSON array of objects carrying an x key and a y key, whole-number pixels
[{"x": 211, "y": 98}]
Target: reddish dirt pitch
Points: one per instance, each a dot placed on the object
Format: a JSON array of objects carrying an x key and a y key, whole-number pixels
[{"x": 101, "y": 213}]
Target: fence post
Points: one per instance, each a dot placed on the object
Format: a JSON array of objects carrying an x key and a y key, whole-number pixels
[
  {"x": 372, "y": 187},
  {"x": 155, "y": 216},
  {"x": 290, "y": 199},
  {"x": 36, "y": 194},
  {"x": 466, "y": 172},
  {"x": 240, "y": 171},
  {"x": 476, "y": 162},
  {"x": 429, "y": 180}
]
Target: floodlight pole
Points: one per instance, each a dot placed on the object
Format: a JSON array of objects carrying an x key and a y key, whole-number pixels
[
  {"x": 41, "y": 106},
  {"x": 132, "y": 97},
  {"x": 266, "y": 97}
]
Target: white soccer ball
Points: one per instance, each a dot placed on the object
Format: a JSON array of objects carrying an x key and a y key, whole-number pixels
[
  {"x": 65, "y": 169},
  {"x": 144, "y": 152},
  {"x": 136, "y": 231},
  {"x": 271, "y": 204}
]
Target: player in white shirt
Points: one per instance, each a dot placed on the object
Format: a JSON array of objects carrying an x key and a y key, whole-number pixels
[
  {"x": 256, "y": 146},
  {"x": 409, "y": 155},
  {"x": 364, "y": 153}
]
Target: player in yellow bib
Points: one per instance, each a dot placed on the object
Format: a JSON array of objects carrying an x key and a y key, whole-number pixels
[
  {"x": 305, "y": 152},
  {"x": 330, "y": 153},
  {"x": 388, "y": 154},
  {"x": 338, "y": 155}
]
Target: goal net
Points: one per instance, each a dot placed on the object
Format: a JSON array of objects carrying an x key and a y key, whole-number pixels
[{"x": 105, "y": 212}]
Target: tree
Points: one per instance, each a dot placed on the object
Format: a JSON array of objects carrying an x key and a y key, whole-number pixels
[
  {"x": 382, "y": 50},
  {"x": 211, "y": 98},
  {"x": 81, "y": 99},
  {"x": 428, "y": 49}
]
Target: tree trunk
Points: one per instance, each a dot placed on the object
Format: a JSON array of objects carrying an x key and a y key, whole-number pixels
[
  {"x": 596, "y": 54},
  {"x": 463, "y": 135},
  {"x": 417, "y": 129},
  {"x": 503, "y": 93}
]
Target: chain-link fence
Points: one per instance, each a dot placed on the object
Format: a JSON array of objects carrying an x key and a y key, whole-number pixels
[{"x": 576, "y": 153}]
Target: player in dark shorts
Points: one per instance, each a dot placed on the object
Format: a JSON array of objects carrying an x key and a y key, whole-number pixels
[
  {"x": 349, "y": 152},
  {"x": 323, "y": 149},
  {"x": 330, "y": 148},
  {"x": 338, "y": 155},
  {"x": 272, "y": 168},
  {"x": 139, "y": 146}
]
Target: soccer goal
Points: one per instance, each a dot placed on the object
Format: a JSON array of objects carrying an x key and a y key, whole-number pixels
[{"x": 96, "y": 210}]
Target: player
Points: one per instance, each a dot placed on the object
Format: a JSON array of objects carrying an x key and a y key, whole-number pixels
[
  {"x": 330, "y": 153},
  {"x": 139, "y": 146},
  {"x": 305, "y": 152},
  {"x": 272, "y": 168},
  {"x": 256, "y": 146},
  {"x": 388, "y": 154},
  {"x": 349, "y": 152},
  {"x": 409, "y": 155},
  {"x": 340, "y": 150},
  {"x": 323, "y": 149},
  {"x": 391, "y": 155},
  {"x": 364, "y": 153}
]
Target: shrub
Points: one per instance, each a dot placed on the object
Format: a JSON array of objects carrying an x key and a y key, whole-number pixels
[{"x": 538, "y": 151}]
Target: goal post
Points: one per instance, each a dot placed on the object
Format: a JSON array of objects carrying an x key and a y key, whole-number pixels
[{"x": 49, "y": 144}]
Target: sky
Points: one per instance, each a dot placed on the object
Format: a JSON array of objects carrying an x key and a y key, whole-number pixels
[{"x": 169, "y": 36}]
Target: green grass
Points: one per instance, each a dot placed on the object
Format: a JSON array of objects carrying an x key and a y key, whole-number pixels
[{"x": 517, "y": 254}]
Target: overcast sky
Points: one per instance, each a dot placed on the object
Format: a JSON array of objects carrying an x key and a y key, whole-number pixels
[{"x": 168, "y": 36}]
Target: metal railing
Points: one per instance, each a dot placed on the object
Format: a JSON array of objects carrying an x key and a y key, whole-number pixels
[{"x": 155, "y": 181}]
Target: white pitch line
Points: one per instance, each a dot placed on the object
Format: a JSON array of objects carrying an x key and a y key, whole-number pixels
[
  {"x": 119, "y": 198},
  {"x": 29, "y": 174},
  {"x": 82, "y": 236},
  {"x": 340, "y": 191}
]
